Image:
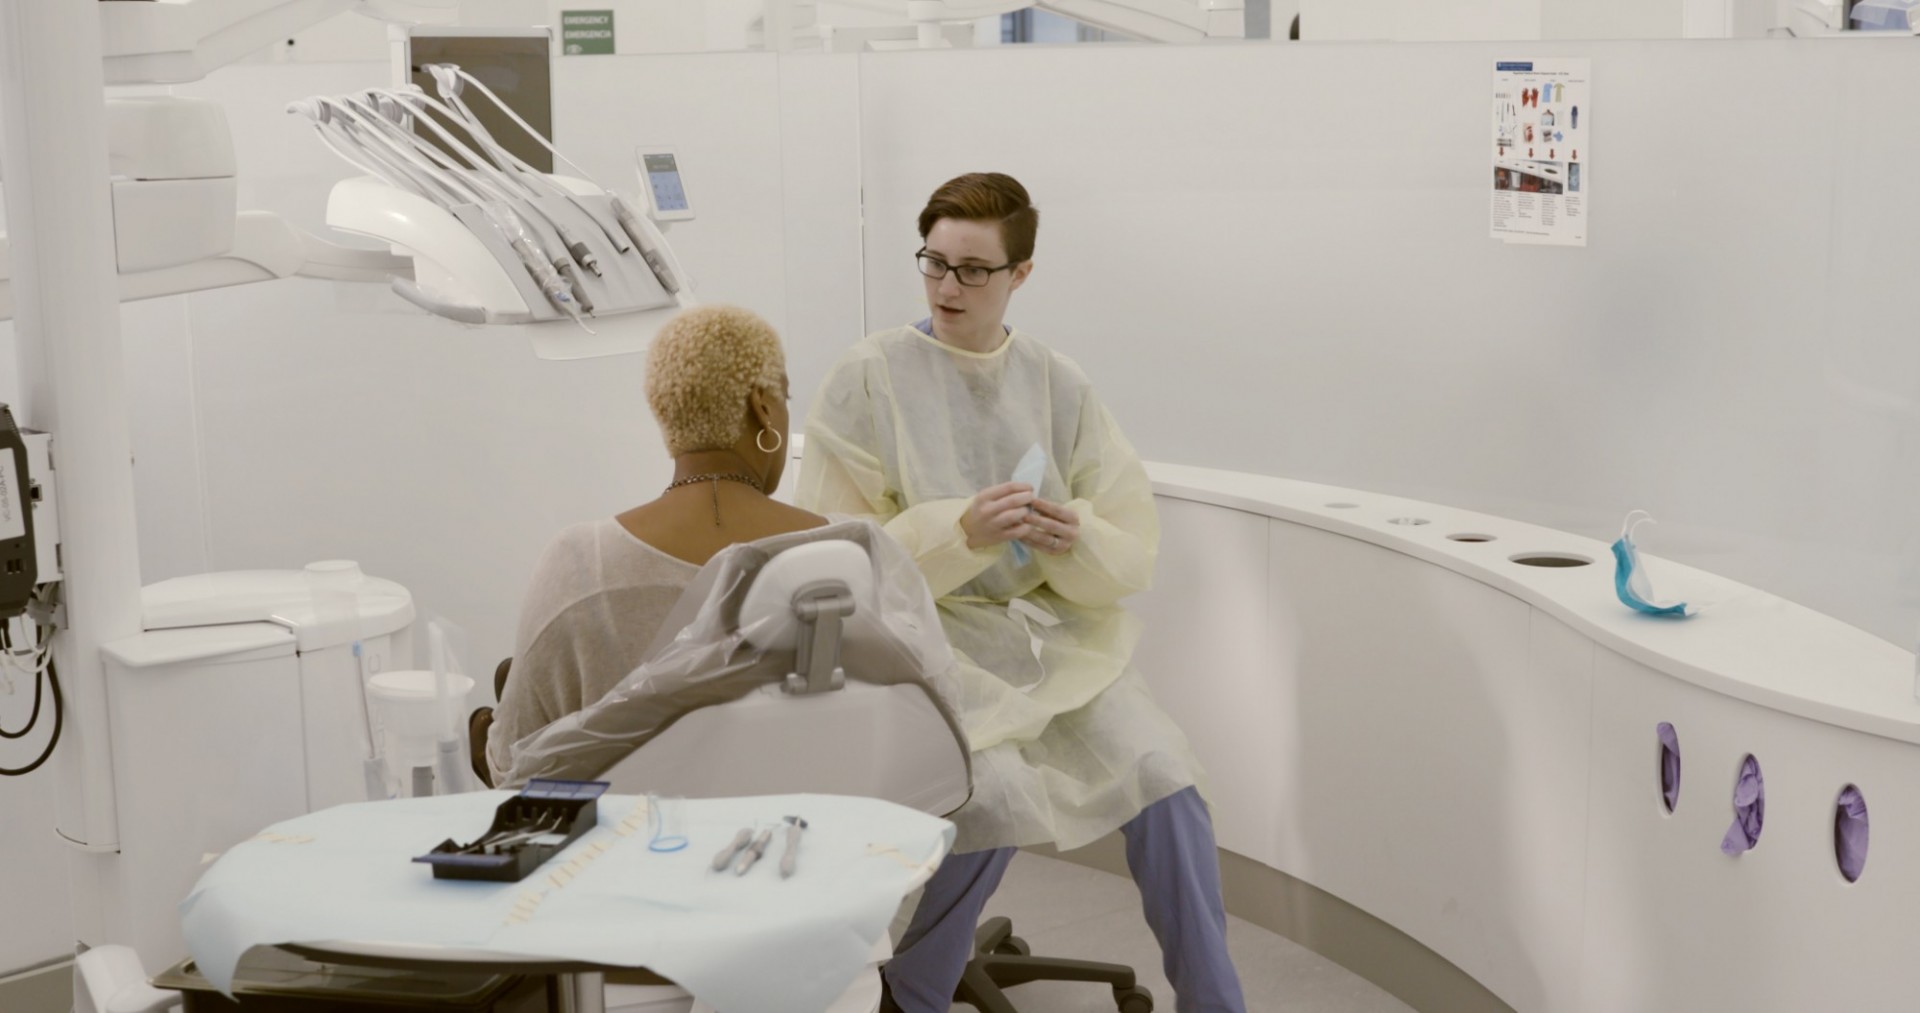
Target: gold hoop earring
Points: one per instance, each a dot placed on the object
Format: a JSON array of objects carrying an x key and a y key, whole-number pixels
[{"x": 778, "y": 441}]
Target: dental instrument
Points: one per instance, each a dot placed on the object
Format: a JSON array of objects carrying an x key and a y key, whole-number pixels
[
  {"x": 614, "y": 236},
  {"x": 527, "y": 830},
  {"x": 754, "y": 850},
  {"x": 790, "y": 857},
  {"x": 640, "y": 231},
  {"x": 513, "y": 229},
  {"x": 513, "y": 178},
  {"x": 733, "y": 848}
]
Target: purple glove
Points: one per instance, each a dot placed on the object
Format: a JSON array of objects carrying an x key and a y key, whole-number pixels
[
  {"x": 1669, "y": 764},
  {"x": 1749, "y": 810},
  {"x": 1850, "y": 832}
]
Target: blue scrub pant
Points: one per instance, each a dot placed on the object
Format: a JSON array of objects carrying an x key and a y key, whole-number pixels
[{"x": 1170, "y": 851}]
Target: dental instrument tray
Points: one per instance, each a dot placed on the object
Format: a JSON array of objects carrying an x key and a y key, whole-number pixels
[{"x": 527, "y": 829}]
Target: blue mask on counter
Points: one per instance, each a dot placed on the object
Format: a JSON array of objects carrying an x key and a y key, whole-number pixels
[
  {"x": 1630, "y": 577},
  {"x": 1031, "y": 469}
]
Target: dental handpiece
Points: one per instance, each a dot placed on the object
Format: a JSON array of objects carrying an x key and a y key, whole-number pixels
[
  {"x": 577, "y": 249},
  {"x": 630, "y": 221},
  {"x": 550, "y": 282},
  {"x": 789, "y": 858},
  {"x": 572, "y": 276},
  {"x": 753, "y": 852},
  {"x": 725, "y": 857}
]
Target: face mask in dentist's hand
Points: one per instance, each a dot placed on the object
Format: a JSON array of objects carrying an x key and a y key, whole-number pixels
[
  {"x": 1031, "y": 469},
  {"x": 1630, "y": 576}
]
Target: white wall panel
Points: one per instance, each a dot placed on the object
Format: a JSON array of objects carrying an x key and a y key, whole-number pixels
[
  {"x": 34, "y": 875},
  {"x": 1676, "y": 925},
  {"x": 1484, "y": 777},
  {"x": 166, "y": 439},
  {"x": 1613, "y": 19},
  {"x": 1208, "y": 652},
  {"x": 820, "y": 178},
  {"x": 1275, "y": 259},
  {"x": 35, "y": 878},
  {"x": 1440, "y": 768}
]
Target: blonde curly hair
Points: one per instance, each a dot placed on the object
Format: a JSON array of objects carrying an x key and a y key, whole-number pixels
[{"x": 701, "y": 369}]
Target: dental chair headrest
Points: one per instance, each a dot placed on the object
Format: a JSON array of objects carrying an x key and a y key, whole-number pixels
[{"x": 766, "y": 615}]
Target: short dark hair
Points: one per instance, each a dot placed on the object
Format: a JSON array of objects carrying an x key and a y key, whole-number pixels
[{"x": 987, "y": 197}]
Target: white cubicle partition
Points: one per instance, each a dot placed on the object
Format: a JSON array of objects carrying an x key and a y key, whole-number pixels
[
  {"x": 1274, "y": 259},
  {"x": 1465, "y": 747}
]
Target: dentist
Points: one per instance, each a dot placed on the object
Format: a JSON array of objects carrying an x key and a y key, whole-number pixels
[{"x": 921, "y": 428}]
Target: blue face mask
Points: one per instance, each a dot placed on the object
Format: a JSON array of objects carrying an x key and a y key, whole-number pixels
[
  {"x": 1031, "y": 469},
  {"x": 1630, "y": 577}
]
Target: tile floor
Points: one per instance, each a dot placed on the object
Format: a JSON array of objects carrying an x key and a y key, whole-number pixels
[{"x": 1069, "y": 910}]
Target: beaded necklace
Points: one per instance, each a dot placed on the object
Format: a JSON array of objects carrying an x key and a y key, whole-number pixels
[{"x": 716, "y": 478}]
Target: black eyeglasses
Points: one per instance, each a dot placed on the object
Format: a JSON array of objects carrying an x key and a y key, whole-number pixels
[{"x": 970, "y": 275}]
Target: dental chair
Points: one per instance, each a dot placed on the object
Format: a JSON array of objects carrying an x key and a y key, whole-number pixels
[
  {"x": 822, "y": 729},
  {"x": 830, "y": 727},
  {"x": 835, "y": 724},
  {"x": 856, "y": 738}
]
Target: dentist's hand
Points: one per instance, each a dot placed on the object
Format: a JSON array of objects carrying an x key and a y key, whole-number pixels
[
  {"x": 1053, "y": 528},
  {"x": 997, "y": 515}
]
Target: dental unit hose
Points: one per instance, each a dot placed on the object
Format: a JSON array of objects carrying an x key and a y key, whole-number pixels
[
  {"x": 531, "y": 180},
  {"x": 45, "y": 675},
  {"x": 551, "y": 283},
  {"x": 452, "y": 80},
  {"x": 509, "y": 178}
]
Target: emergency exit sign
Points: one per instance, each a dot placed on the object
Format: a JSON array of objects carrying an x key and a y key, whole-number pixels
[{"x": 584, "y": 33}]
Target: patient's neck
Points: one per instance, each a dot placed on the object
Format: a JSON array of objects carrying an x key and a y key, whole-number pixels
[
  {"x": 716, "y": 462},
  {"x": 696, "y": 521}
]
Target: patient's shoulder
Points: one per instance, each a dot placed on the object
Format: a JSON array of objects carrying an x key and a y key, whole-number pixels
[
  {"x": 688, "y": 533},
  {"x": 568, "y": 558},
  {"x": 785, "y": 519}
]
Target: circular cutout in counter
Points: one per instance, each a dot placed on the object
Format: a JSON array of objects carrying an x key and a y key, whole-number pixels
[
  {"x": 1550, "y": 560},
  {"x": 1468, "y": 536},
  {"x": 1669, "y": 764},
  {"x": 1342, "y": 506},
  {"x": 1850, "y": 832},
  {"x": 1410, "y": 522}
]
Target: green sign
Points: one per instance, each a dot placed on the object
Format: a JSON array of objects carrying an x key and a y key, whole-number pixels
[{"x": 584, "y": 33}]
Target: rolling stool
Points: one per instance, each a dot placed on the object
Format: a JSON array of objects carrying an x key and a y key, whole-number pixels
[{"x": 1002, "y": 960}]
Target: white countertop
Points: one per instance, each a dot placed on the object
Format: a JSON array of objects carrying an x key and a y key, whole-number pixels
[{"x": 1748, "y": 644}]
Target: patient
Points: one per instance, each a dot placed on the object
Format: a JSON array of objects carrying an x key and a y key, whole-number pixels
[{"x": 717, "y": 383}]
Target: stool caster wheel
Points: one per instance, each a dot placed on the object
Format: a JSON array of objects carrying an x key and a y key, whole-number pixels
[
  {"x": 1133, "y": 1000},
  {"x": 1014, "y": 946}
]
